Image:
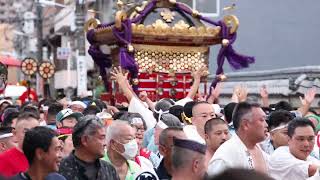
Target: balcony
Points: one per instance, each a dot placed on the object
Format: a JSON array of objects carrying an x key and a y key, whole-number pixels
[{"x": 64, "y": 21}]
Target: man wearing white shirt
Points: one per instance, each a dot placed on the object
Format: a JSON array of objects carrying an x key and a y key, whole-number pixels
[
  {"x": 242, "y": 150},
  {"x": 217, "y": 133},
  {"x": 201, "y": 112},
  {"x": 294, "y": 161}
]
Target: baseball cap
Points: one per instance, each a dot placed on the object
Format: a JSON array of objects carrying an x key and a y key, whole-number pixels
[
  {"x": 67, "y": 113},
  {"x": 5, "y": 101}
]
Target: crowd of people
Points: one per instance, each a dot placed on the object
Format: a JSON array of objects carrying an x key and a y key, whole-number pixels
[{"x": 192, "y": 138}]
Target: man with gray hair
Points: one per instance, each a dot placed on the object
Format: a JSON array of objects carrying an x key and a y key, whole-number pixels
[
  {"x": 84, "y": 162},
  {"x": 122, "y": 148},
  {"x": 188, "y": 160}
]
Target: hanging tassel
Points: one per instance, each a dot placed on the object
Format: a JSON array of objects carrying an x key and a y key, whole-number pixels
[
  {"x": 236, "y": 60},
  {"x": 127, "y": 62}
]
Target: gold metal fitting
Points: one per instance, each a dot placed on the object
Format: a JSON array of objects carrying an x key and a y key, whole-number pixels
[
  {"x": 91, "y": 24},
  {"x": 120, "y": 16},
  {"x": 130, "y": 48},
  {"x": 231, "y": 21},
  {"x": 120, "y": 4},
  {"x": 229, "y": 8},
  {"x": 135, "y": 81},
  {"x": 222, "y": 77},
  {"x": 138, "y": 9},
  {"x": 195, "y": 13},
  {"x": 159, "y": 91},
  {"x": 225, "y": 42},
  {"x": 173, "y": 1}
]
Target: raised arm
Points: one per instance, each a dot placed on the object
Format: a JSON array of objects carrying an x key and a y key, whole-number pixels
[
  {"x": 122, "y": 81},
  {"x": 307, "y": 101},
  {"x": 215, "y": 93},
  {"x": 144, "y": 97},
  {"x": 196, "y": 81},
  {"x": 264, "y": 96},
  {"x": 240, "y": 93}
]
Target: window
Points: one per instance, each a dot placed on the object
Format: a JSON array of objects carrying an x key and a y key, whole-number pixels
[{"x": 205, "y": 7}]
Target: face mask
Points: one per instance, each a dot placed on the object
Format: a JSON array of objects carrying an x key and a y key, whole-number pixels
[{"x": 130, "y": 149}]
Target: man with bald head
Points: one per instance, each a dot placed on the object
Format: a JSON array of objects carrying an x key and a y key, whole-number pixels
[
  {"x": 14, "y": 161},
  {"x": 188, "y": 160},
  {"x": 201, "y": 112}
]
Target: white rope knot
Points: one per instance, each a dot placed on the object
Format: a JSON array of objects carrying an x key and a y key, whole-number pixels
[{"x": 160, "y": 112}]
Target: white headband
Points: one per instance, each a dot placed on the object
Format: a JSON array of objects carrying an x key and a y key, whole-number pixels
[
  {"x": 136, "y": 121},
  {"x": 78, "y": 103},
  {"x": 6, "y": 135},
  {"x": 162, "y": 125},
  {"x": 279, "y": 127},
  {"x": 160, "y": 112},
  {"x": 44, "y": 108}
]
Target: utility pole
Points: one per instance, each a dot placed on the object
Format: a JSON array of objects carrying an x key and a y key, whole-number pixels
[
  {"x": 80, "y": 20},
  {"x": 39, "y": 31},
  {"x": 81, "y": 48},
  {"x": 39, "y": 56}
]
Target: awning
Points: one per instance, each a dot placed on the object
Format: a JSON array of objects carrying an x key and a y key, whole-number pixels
[
  {"x": 14, "y": 91},
  {"x": 10, "y": 61}
]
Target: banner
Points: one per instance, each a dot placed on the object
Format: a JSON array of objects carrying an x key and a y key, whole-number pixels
[{"x": 81, "y": 75}]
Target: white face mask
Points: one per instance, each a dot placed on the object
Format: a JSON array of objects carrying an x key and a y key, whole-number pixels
[{"x": 130, "y": 149}]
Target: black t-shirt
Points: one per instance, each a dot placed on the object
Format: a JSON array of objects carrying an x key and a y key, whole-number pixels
[
  {"x": 51, "y": 176},
  {"x": 91, "y": 169},
  {"x": 162, "y": 172}
]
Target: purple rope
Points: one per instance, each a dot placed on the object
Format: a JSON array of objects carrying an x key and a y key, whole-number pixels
[
  {"x": 102, "y": 60},
  {"x": 236, "y": 60},
  {"x": 124, "y": 37},
  {"x": 106, "y": 25},
  {"x": 121, "y": 36},
  {"x": 145, "y": 11},
  {"x": 127, "y": 61}
]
